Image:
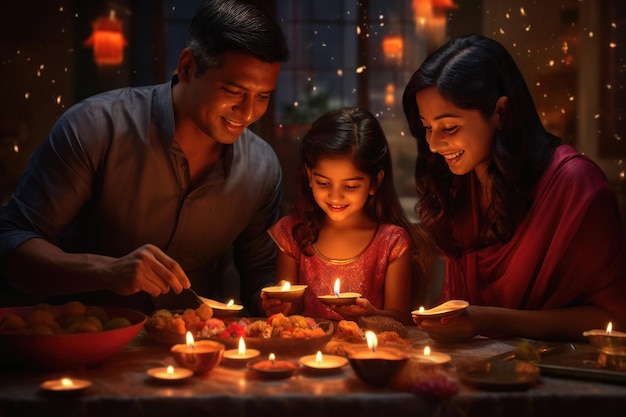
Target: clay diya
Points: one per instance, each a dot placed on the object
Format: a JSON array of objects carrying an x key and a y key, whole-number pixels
[
  {"x": 170, "y": 374},
  {"x": 320, "y": 363},
  {"x": 285, "y": 292},
  {"x": 241, "y": 355},
  {"x": 339, "y": 298},
  {"x": 450, "y": 308},
  {"x": 200, "y": 357},
  {"x": 611, "y": 347},
  {"x": 377, "y": 366},
  {"x": 271, "y": 368}
]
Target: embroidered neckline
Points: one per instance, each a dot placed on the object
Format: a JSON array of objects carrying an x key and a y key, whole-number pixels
[{"x": 348, "y": 260}]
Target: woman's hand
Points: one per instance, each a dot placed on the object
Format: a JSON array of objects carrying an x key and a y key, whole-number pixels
[{"x": 450, "y": 329}]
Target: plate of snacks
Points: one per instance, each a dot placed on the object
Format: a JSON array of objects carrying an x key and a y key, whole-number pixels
[
  {"x": 350, "y": 336},
  {"x": 169, "y": 327},
  {"x": 277, "y": 334}
]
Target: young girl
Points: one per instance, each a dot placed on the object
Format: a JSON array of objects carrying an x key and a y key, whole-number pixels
[
  {"x": 347, "y": 224},
  {"x": 530, "y": 228}
]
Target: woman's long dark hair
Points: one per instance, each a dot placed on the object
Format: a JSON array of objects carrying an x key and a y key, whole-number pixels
[
  {"x": 473, "y": 72},
  {"x": 355, "y": 133}
]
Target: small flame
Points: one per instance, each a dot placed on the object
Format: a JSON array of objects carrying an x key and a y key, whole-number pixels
[
  {"x": 242, "y": 347},
  {"x": 421, "y": 309},
  {"x": 66, "y": 382},
  {"x": 427, "y": 351},
  {"x": 190, "y": 341},
  {"x": 230, "y": 303},
  {"x": 337, "y": 286},
  {"x": 318, "y": 357},
  {"x": 170, "y": 370},
  {"x": 372, "y": 340},
  {"x": 609, "y": 328},
  {"x": 286, "y": 286},
  {"x": 272, "y": 358}
]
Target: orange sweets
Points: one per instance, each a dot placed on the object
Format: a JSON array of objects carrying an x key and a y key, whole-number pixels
[{"x": 71, "y": 317}]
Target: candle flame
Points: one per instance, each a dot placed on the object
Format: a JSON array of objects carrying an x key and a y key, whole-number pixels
[
  {"x": 286, "y": 286},
  {"x": 318, "y": 357},
  {"x": 242, "y": 347},
  {"x": 427, "y": 351},
  {"x": 337, "y": 284},
  {"x": 272, "y": 358},
  {"x": 190, "y": 341},
  {"x": 66, "y": 382},
  {"x": 230, "y": 303},
  {"x": 372, "y": 340},
  {"x": 609, "y": 328},
  {"x": 421, "y": 309},
  {"x": 170, "y": 370}
]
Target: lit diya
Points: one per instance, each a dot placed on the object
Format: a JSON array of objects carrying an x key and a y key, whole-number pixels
[
  {"x": 285, "y": 292},
  {"x": 339, "y": 298},
  {"x": 200, "y": 357},
  {"x": 241, "y": 355},
  {"x": 611, "y": 346},
  {"x": 428, "y": 357},
  {"x": 170, "y": 374},
  {"x": 223, "y": 309},
  {"x": 450, "y": 308},
  {"x": 272, "y": 368},
  {"x": 377, "y": 366},
  {"x": 323, "y": 363},
  {"x": 65, "y": 385}
]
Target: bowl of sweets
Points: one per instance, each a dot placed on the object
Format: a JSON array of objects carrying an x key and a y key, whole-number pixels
[{"x": 65, "y": 337}]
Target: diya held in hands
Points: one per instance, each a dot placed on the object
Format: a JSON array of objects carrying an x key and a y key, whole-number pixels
[
  {"x": 339, "y": 298},
  {"x": 285, "y": 292}
]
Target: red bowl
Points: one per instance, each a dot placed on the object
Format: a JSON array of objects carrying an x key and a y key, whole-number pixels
[{"x": 67, "y": 351}]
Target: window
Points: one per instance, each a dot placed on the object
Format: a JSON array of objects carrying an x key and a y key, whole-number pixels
[{"x": 344, "y": 53}]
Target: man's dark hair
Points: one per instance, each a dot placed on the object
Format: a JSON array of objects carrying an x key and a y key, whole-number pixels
[{"x": 220, "y": 26}]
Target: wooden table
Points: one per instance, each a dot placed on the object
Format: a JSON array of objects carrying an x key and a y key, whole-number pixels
[{"x": 121, "y": 387}]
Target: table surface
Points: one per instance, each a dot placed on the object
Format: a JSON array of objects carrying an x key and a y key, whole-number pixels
[{"x": 121, "y": 386}]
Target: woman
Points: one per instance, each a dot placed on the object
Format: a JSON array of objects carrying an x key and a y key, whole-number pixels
[{"x": 529, "y": 228}]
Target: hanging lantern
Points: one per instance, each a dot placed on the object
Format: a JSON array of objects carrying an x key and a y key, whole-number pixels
[
  {"x": 443, "y": 4},
  {"x": 393, "y": 46},
  {"x": 431, "y": 19},
  {"x": 107, "y": 40}
]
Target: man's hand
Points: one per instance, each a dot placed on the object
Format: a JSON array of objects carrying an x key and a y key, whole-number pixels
[{"x": 147, "y": 269}]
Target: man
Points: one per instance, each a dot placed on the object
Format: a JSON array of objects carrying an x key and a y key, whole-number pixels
[{"x": 147, "y": 191}]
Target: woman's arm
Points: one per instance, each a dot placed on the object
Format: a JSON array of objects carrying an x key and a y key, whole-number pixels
[
  {"x": 556, "y": 324},
  {"x": 592, "y": 268}
]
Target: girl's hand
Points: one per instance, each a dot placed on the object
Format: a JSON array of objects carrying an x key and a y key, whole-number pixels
[
  {"x": 353, "y": 312},
  {"x": 274, "y": 305}
]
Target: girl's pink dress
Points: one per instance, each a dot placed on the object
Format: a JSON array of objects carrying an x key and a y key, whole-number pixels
[{"x": 365, "y": 273}]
